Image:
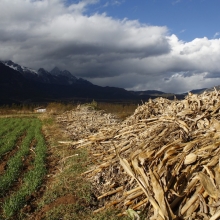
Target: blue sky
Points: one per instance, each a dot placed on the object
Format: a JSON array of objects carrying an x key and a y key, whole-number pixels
[
  {"x": 188, "y": 19},
  {"x": 167, "y": 45}
]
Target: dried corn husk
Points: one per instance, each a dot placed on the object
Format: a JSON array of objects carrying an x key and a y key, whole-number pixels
[
  {"x": 190, "y": 158},
  {"x": 162, "y": 160}
]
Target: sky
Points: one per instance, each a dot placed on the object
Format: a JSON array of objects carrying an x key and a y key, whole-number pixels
[{"x": 166, "y": 45}]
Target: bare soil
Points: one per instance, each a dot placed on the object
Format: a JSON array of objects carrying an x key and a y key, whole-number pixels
[{"x": 64, "y": 200}]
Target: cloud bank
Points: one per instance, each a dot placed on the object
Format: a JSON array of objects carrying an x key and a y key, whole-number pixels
[{"x": 107, "y": 51}]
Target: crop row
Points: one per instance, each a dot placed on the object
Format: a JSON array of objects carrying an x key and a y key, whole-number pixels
[
  {"x": 9, "y": 124},
  {"x": 8, "y": 141},
  {"x": 15, "y": 163},
  {"x": 32, "y": 178}
]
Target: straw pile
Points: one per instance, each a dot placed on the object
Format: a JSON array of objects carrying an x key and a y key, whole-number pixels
[
  {"x": 84, "y": 121},
  {"x": 163, "y": 160}
]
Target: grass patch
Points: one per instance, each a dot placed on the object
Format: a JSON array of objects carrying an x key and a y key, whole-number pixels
[
  {"x": 68, "y": 179},
  {"x": 77, "y": 211},
  {"x": 32, "y": 179},
  {"x": 109, "y": 214}
]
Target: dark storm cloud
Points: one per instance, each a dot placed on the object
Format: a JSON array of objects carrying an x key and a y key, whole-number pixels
[
  {"x": 212, "y": 75},
  {"x": 104, "y": 50}
]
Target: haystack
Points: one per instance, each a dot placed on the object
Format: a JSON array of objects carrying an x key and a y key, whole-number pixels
[{"x": 164, "y": 160}]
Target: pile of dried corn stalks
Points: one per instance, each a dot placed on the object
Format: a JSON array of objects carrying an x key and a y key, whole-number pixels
[
  {"x": 163, "y": 160},
  {"x": 84, "y": 121}
]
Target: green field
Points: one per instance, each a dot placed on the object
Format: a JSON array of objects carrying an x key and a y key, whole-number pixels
[
  {"x": 41, "y": 178},
  {"x": 22, "y": 162}
]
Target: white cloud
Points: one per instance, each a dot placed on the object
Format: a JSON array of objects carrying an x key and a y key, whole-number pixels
[
  {"x": 81, "y": 5},
  {"x": 106, "y": 51},
  {"x": 216, "y": 34},
  {"x": 106, "y": 5},
  {"x": 116, "y": 2},
  {"x": 182, "y": 31},
  {"x": 176, "y": 2}
]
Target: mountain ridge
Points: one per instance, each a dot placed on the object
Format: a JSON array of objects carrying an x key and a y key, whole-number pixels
[
  {"x": 58, "y": 85},
  {"x": 48, "y": 90},
  {"x": 55, "y": 76}
]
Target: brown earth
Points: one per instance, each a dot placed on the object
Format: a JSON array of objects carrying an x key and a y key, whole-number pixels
[{"x": 64, "y": 200}]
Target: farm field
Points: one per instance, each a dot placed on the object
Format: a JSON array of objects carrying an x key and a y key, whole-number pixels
[
  {"x": 159, "y": 162},
  {"x": 22, "y": 162},
  {"x": 40, "y": 178}
]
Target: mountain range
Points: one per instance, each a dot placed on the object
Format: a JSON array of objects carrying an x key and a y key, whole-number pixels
[
  {"x": 19, "y": 84},
  {"x": 55, "y": 76}
]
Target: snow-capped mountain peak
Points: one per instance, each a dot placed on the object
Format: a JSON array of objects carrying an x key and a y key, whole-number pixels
[
  {"x": 19, "y": 68},
  {"x": 55, "y": 76}
]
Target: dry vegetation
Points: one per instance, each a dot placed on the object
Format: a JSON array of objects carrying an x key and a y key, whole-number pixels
[
  {"x": 64, "y": 193},
  {"x": 120, "y": 110},
  {"x": 163, "y": 160},
  {"x": 8, "y": 110},
  {"x": 68, "y": 194}
]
